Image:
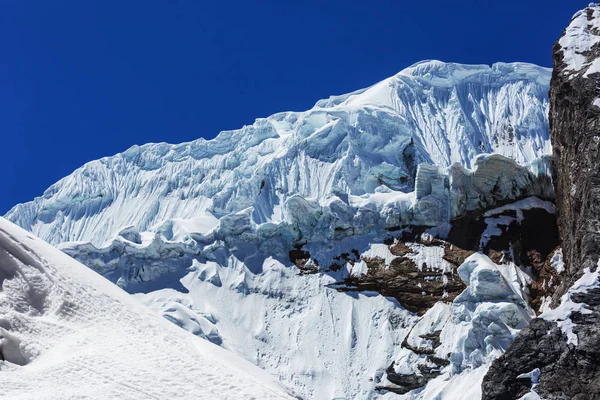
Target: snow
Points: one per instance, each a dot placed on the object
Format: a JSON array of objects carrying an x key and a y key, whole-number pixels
[
  {"x": 347, "y": 146},
  {"x": 379, "y": 250},
  {"x": 556, "y": 261},
  {"x": 562, "y": 314},
  {"x": 493, "y": 228},
  {"x": 476, "y": 328},
  {"x": 532, "y": 395},
  {"x": 579, "y": 37},
  {"x": 464, "y": 386},
  {"x": 201, "y": 231},
  {"x": 431, "y": 256},
  {"x": 524, "y": 204},
  {"x": 233, "y": 285},
  {"x": 492, "y": 309},
  {"x": 533, "y": 376},
  {"x": 66, "y": 332},
  {"x": 322, "y": 343},
  {"x": 495, "y": 221}
]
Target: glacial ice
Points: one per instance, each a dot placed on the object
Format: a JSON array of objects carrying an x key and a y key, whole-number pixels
[
  {"x": 475, "y": 329},
  {"x": 346, "y": 146},
  {"x": 201, "y": 231},
  {"x": 439, "y": 197}
]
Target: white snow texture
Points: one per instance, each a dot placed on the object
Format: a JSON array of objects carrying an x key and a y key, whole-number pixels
[
  {"x": 201, "y": 232},
  {"x": 66, "y": 332},
  {"x": 435, "y": 112}
]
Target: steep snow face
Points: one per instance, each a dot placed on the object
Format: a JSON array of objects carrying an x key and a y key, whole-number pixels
[
  {"x": 578, "y": 39},
  {"x": 352, "y": 144},
  {"x": 321, "y": 343},
  {"x": 235, "y": 285},
  {"x": 477, "y": 327},
  {"x": 66, "y": 332},
  {"x": 327, "y": 344}
]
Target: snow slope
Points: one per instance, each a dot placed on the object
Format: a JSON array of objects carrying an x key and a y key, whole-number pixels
[
  {"x": 249, "y": 298},
  {"x": 327, "y": 344},
  {"x": 66, "y": 332},
  {"x": 353, "y": 144}
]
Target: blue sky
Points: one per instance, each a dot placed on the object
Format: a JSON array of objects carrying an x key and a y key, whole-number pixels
[{"x": 80, "y": 80}]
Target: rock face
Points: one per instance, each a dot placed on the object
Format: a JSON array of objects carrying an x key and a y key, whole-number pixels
[
  {"x": 565, "y": 345},
  {"x": 425, "y": 270},
  {"x": 575, "y": 125}
]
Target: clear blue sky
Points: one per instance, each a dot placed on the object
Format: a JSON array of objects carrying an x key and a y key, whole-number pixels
[{"x": 84, "y": 79}]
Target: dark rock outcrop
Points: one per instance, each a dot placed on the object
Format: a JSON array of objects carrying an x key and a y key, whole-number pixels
[
  {"x": 527, "y": 241},
  {"x": 568, "y": 370},
  {"x": 417, "y": 289}
]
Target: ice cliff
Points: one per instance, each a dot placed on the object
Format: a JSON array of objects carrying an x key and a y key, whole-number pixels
[{"x": 349, "y": 145}]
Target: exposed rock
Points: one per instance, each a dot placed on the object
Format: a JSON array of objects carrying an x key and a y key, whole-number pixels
[
  {"x": 301, "y": 259},
  {"x": 400, "y": 249},
  {"x": 417, "y": 289},
  {"x": 570, "y": 368},
  {"x": 527, "y": 240},
  {"x": 403, "y": 383},
  {"x": 568, "y": 371}
]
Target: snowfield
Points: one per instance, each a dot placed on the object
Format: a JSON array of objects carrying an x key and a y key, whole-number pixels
[{"x": 66, "y": 332}]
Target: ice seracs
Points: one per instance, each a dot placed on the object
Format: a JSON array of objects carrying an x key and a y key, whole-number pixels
[
  {"x": 254, "y": 240},
  {"x": 435, "y": 112}
]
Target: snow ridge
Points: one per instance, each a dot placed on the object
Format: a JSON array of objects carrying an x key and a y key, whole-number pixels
[
  {"x": 434, "y": 112},
  {"x": 66, "y": 332}
]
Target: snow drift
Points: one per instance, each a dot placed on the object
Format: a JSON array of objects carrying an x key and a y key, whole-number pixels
[{"x": 66, "y": 332}]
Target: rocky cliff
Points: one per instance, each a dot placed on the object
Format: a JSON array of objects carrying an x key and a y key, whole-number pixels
[{"x": 558, "y": 355}]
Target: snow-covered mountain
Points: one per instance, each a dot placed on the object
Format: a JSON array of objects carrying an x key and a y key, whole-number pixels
[
  {"x": 66, "y": 332},
  {"x": 433, "y": 112},
  {"x": 369, "y": 247}
]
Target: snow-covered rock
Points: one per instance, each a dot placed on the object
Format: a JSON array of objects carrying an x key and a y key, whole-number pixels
[
  {"x": 477, "y": 327},
  {"x": 66, "y": 332},
  {"x": 564, "y": 343},
  {"x": 435, "y": 112}
]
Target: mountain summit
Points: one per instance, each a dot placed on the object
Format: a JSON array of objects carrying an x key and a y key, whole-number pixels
[
  {"x": 383, "y": 243},
  {"x": 433, "y": 112}
]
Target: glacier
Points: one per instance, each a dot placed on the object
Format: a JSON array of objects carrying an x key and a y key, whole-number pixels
[
  {"x": 432, "y": 112},
  {"x": 246, "y": 240}
]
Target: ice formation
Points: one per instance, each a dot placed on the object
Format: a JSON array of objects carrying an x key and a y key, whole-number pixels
[
  {"x": 474, "y": 329},
  {"x": 349, "y": 145},
  {"x": 203, "y": 232}
]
